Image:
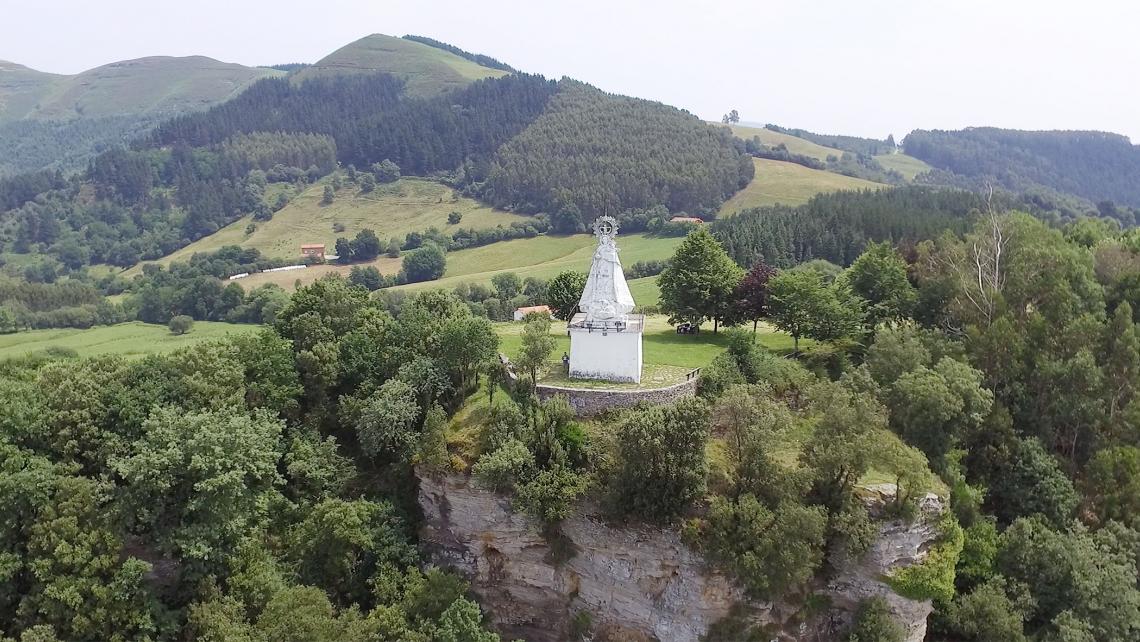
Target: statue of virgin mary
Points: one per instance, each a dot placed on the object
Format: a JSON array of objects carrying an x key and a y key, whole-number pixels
[{"x": 606, "y": 297}]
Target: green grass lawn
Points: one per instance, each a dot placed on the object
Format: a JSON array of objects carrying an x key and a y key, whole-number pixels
[
  {"x": 790, "y": 184},
  {"x": 134, "y": 339},
  {"x": 908, "y": 166},
  {"x": 661, "y": 345},
  {"x": 644, "y": 290}
]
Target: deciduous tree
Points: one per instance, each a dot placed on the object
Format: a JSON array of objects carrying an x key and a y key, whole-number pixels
[{"x": 699, "y": 281}]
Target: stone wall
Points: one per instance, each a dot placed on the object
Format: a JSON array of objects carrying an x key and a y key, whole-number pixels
[
  {"x": 637, "y": 582},
  {"x": 591, "y": 401}
]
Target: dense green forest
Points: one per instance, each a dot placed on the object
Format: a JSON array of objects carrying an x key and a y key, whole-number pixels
[
  {"x": 256, "y": 488},
  {"x": 370, "y": 122},
  {"x": 591, "y": 153},
  {"x": 1097, "y": 166}
]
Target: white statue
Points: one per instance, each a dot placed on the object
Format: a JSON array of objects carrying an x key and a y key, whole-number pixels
[{"x": 606, "y": 298}]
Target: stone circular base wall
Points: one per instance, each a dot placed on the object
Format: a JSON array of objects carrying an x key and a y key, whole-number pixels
[{"x": 591, "y": 401}]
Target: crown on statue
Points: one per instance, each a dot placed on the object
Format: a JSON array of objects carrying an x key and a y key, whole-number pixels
[{"x": 605, "y": 226}]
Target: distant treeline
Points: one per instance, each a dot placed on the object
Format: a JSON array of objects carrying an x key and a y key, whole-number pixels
[
  {"x": 853, "y": 144},
  {"x": 1097, "y": 166},
  {"x": 837, "y": 227},
  {"x": 480, "y": 59},
  {"x": 289, "y": 67}
]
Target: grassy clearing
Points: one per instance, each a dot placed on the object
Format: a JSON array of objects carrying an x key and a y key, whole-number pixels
[
  {"x": 392, "y": 210},
  {"x": 795, "y": 144},
  {"x": 908, "y": 166},
  {"x": 789, "y": 184},
  {"x": 542, "y": 257},
  {"x": 134, "y": 339}
]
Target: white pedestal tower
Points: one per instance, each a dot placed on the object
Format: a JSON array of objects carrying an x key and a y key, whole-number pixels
[{"x": 605, "y": 339}]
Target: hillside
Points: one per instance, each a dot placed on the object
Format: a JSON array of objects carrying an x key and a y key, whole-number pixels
[
  {"x": 21, "y": 89},
  {"x": 794, "y": 144},
  {"x": 51, "y": 121},
  {"x": 591, "y": 153},
  {"x": 427, "y": 70},
  {"x": 542, "y": 257},
  {"x": 392, "y": 211},
  {"x": 908, "y": 166},
  {"x": 778, "y": 182},
  {"x": 157, "y": 87},
  {"x": 1097, "y": 166}
]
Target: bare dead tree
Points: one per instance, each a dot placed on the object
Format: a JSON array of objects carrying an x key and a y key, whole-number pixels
[{"x": 980, "y": 265}]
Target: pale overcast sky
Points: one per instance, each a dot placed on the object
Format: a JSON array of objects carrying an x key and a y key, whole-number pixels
[{"x": 867, "y": 67}]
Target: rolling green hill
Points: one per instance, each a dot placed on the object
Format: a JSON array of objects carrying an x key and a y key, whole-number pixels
[
  {"x": 427, "y": 70},
  {"x": 154, "y": 87},
  {"x": 21, "y": 89},
  {"x": 789, "y": 184},
  {"x": 51, "y": 121}
]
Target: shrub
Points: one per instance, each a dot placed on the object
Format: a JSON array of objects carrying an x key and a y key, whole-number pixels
[
  {"x": 933, "y": 577},
  {"x": 874, "y": 623},
  {"x": 770, "y": 551},
  {"x": 661, "y": 459},
  {"x": 180, "y": 324},
  {"x": 502, "y": 469},
  {"x": 425, "y": 264},
  {"x": 550, "y": 495}
]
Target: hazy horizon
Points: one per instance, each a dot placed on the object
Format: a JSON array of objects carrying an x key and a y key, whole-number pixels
[{"x": 869, "y": 69}]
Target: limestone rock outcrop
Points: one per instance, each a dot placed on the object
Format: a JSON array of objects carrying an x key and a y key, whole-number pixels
[{"x": 637, "y": 582}]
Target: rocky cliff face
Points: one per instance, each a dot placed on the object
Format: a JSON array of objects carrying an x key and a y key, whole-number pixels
[{"x": 637, "y": 583}]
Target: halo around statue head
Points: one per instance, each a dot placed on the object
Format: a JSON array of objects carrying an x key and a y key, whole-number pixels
[{"x": 605, "y": 226}]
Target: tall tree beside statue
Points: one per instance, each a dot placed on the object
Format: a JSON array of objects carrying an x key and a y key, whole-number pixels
[
  {"x": 537, "y": 344},
  {"x": 699, "y": 282}
]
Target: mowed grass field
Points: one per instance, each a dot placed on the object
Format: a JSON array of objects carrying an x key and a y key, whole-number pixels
[
  {"x": 134, "y": 339},
  {"x": 789, "y": 184},
  {"x": 908, "y": 166},
  {"x": 661, "y": 345},
  {"x": 543, "y": 257},
  {"x": 392, "y": 211}
]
